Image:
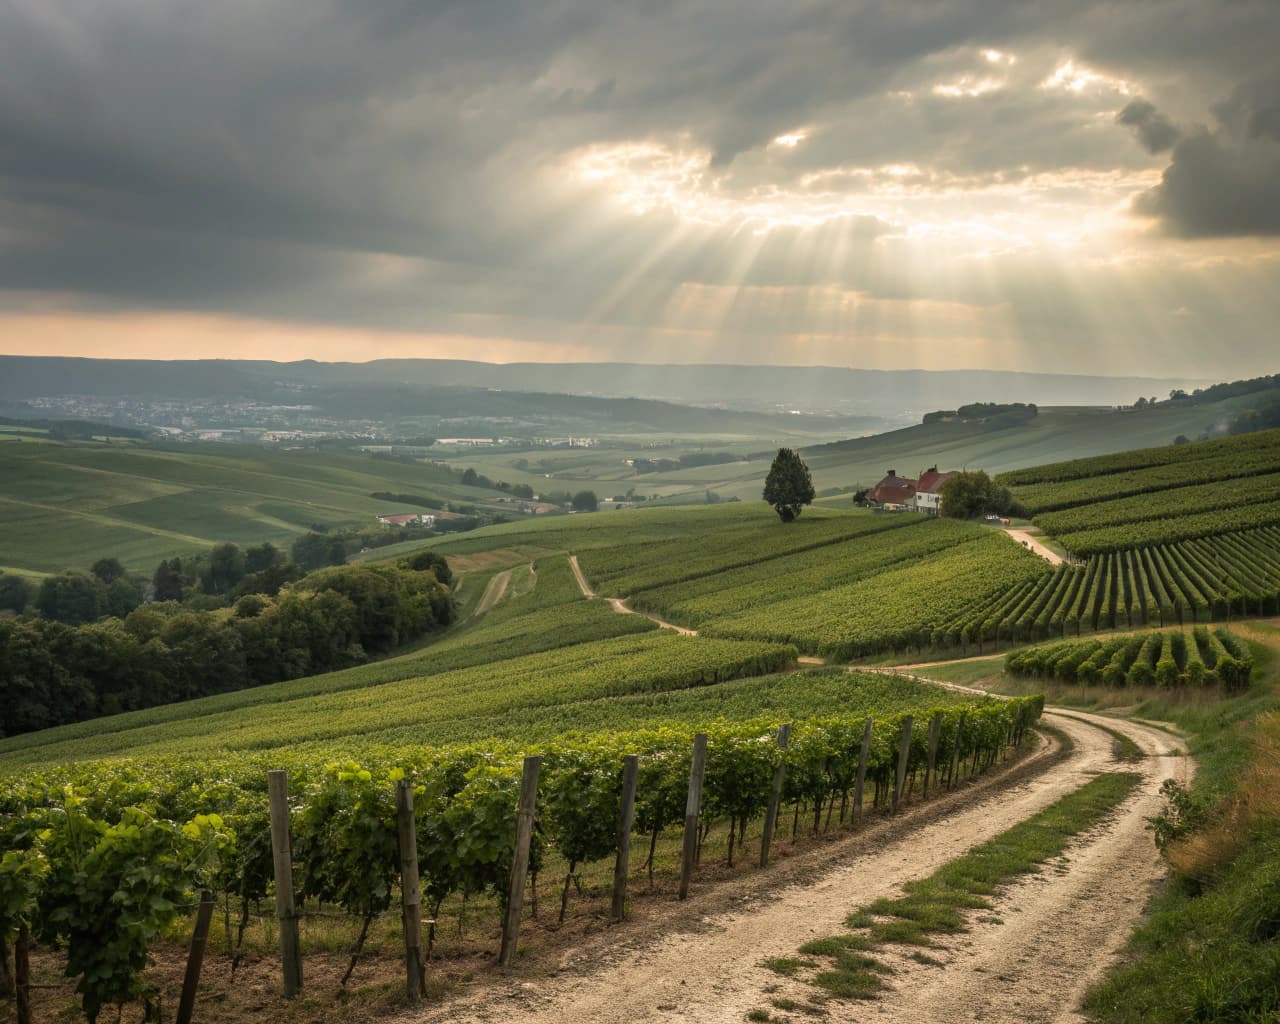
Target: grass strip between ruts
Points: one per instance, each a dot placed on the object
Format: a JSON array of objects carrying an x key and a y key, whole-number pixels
[{"x": 842, "y": 966}]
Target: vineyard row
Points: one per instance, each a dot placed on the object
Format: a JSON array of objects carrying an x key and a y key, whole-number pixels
[
  {"x": 1166, "y": 584},
  {"x": 1165, "y": 659},
  {"x": 101, "y": 858},
  {"x": 1049, "y": 497},
  {"x": 1120, "y": 462}
]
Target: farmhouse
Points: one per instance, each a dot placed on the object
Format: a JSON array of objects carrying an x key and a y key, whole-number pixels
[
  {"x": 922, "y": 495},
  {"x": 893, "y": 490},
  {"x": 928, "y": 497},
  {"x": 407, "y": 518}
]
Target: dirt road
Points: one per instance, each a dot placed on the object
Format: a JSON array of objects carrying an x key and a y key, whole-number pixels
[
  {"x": 1022, "y": 537},
  {"x": 493, "y": 592},
  {"x": 619, "y": 605},
  {"x": 1071, "y": 924},
  {"x": 1053, "y": 934}
]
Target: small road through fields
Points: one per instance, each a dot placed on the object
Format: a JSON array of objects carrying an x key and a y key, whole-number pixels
[
  {"x": 702, "y": 961},
  {"x": 493, "y": 592},
  {"x": 619, "y": 605},
  {"x": 1022, "y": 537},
  {"x": 1054, "y": 933}
]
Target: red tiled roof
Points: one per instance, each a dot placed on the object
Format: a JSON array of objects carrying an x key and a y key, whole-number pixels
[
  {"x": 932, "y": 481},
  {"x": 400, "y": 519},
  {"x": 896, "y": 490}
]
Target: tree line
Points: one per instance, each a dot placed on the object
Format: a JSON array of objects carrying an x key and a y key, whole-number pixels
[
  {"x": 163, "y": 651},
  {"x": 211, "y": 579}
]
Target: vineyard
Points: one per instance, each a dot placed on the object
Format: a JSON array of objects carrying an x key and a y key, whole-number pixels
[
  {"x": 1167, "y": 658},
  {"x": 103, "y": 858},
  {"x": 1166, "y": 584},
  {"x": 896, "y": 609},
  {"x": 1121, "y": 462},
  {"x": 435, "y": 708},
  {"x": 1156, "y": 496},
  {"x": 719, "y": 594}
]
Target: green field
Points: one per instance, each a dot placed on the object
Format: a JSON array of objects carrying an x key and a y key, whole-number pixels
[
  {"x": 1157, "y": 495},
  {"x": 1054, "y": 435},
  {"x": 65, "y": 505},
  {"x": 532, "y": 666}
]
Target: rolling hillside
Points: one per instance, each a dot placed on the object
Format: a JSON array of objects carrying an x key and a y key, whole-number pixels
[
  {"x": 63, "y": 505},
  {"x": 1058, "y": 433},
  {"x": 536, "y": 664}
]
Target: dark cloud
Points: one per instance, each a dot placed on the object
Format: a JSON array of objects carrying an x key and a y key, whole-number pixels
[
  {"x": 1224, "y": 181},
  {"x": 1155, "y": 131},
  {"x": 407, "y": 164}
]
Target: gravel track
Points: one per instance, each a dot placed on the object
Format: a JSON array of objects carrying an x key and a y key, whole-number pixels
[
  {"x": 709, "y": 969},
  {"x": 620, "y": 606}
]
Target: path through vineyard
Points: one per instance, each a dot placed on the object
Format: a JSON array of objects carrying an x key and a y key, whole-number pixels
[
  {"x": 702, "y": 960},
  {"x": 621, "y": 606},
  {"x": 493, "y": 592},
  {"x": 1031, "y": 541}
]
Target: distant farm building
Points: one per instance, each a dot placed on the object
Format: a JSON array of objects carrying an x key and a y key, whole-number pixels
[
  {"x": 408, "y": 519},
  {"x": 928, "y": 496},
  {"x": 893, "y": 490},
  {"x": 921, "y": 495}
]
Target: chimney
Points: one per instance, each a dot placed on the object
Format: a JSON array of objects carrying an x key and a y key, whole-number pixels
[{"x": 892, "y": 473}]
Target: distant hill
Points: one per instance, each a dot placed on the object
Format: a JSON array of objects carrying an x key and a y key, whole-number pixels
[
  {"x": 898, "y": 394},
  {"x": 1052, "y": 436}
]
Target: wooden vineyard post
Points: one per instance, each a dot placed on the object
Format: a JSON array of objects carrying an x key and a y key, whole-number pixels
[
  {"x": 520, "y": 863},
  {"x": 955, "y": 752},
  {"x": 282, "y": 858},
  {"x": 22, "y": 975},
  {"x": 775, "y": 795},
  {"x": 626, "y": 818},
  {"x": 691, "y": 809},
  {"x": 935, "y": 733},
  {"x": 863, "y": 753},
  {"x": 195, "y": 959},
  {"x": 904, "y": 753},
  {"x": 410, "y": 890}
]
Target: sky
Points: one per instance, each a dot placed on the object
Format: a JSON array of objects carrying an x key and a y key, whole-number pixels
[{"x": 1069, "y": 186}]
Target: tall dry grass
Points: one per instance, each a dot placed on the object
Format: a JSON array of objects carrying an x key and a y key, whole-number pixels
[{"x": 1255, "y": 802}]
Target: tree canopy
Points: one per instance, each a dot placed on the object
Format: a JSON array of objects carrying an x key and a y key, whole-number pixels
[
  {"x": 965, "y": 495},
  {"x": 788, "y": 487}
]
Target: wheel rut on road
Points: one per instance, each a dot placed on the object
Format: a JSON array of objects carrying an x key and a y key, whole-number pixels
[{"x": 714, "y": 972}]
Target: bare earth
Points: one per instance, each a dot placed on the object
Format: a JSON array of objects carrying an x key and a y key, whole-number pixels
[
  {"x": 619, "y": 605},
  {"x": 1061, "y": 928},
  {"x": 493, "y": 592},
  {"x": 1022, "y": 537}
]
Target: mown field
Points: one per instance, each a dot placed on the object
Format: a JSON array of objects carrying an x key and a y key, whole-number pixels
[{"x": 64, "y": 505}]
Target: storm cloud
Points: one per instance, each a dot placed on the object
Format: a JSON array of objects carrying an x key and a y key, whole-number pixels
[
  {"x": 1225, "y": 180},
  {"x": 1154, "y": 131},
  {"x": 820, "y": 180}
]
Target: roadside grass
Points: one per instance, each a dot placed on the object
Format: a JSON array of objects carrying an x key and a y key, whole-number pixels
[
  {"x": 1210, "y": 948},
  {"x": 938, "y": 905}
]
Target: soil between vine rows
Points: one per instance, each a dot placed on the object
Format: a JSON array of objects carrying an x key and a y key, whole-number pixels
[{"x": 702, "y": 960}]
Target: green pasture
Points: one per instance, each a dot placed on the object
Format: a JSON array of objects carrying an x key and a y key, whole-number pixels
[{"x": 66, "y": 505}]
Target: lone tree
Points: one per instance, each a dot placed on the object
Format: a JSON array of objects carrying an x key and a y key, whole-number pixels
[{"x": 788, "y": 487}]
